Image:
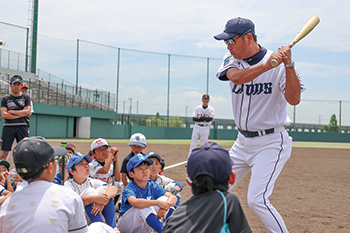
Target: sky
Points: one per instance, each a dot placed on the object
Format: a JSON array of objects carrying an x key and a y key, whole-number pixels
[{"x": 186, "y": 27}]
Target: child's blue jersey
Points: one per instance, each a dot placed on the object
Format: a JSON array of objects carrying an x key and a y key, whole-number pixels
[{"x": 152, "y": 192}]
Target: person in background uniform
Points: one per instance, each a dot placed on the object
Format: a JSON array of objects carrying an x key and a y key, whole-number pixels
[
  {"x": 209, "y": 167},
  {"x": 202, "y": 116},
  {"x": 15, "y": 107},
  {"x": 260, "y": 93}
]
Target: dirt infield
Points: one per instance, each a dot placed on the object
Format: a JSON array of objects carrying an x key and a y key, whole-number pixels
[{"x": 312, "y": 192}]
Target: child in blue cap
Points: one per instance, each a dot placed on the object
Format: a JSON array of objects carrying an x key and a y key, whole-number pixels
[
  {"x": 97, "y": 196},
  {"x": 144, "y": 202}
]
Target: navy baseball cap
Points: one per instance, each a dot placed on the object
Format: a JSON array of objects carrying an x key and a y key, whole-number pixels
[
  {"x": 137, "y": 160},
  {"x": 154, "y": 155},
  {"x": 77, "y": 158},
  {"x": 210, "y": 159},
  {"x": 236, "y": 26},
  {"x": 32, "y": 154},
  {"x": 16, "y": 78}
]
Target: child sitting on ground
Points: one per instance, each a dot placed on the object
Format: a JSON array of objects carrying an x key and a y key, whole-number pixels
[
  {"x": 102, "y": 167},
  {"x": 5, "y": 176},
  {"x": 168, "y": 184},
  {"x": 137, "y": 144},
  {"x": 97, "y": 196},
  {"x": 144, "y": 202}
]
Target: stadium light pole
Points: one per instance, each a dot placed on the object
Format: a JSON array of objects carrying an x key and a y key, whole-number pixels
[
  {"x": 34, "y": 36},
  {"x": 207, "y": 75},
  {"x": 168, "y": 100},
  {"x": 77, "y": 70}
]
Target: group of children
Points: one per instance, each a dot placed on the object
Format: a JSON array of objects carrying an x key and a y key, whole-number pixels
[{"x": 148, "y": 198}]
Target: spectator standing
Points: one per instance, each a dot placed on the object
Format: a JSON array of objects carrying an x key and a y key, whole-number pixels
[{"x": 15, "y": 108}]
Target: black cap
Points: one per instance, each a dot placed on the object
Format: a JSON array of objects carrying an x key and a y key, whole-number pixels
[
  {"x": 210, "y": 159},
  {"x": 32, "y": 154},
  {"x": 205, "y": 96},
  {"x": 5, "y": 163},
  {"x": 16, "y": 78}
]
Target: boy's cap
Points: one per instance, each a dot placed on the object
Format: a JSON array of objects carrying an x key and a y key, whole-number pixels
[
  {"x": 24, "y": 85},
  {"x": 66, "y": 159},
  {"x": 236, "y": 26},
  {"x": 32, "y": 154},
  {"x": 70, "y": 146},
  {"x": 6, "y": 164},
  {"x": 16, "y": 78},
  {"x": 205, "y": 96},
  {"x": 210, "y": 159},
  {"x": 137, "y": 160},
  {"x": 77, "y": 158},
  {"x": 99, "y": 142},
  {"x": 154, "y": 155},
  {"x": 138, "y": 139}
]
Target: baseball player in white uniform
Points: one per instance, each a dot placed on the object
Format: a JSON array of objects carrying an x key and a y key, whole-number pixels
[
  {"x": 260, "y": 94},
  {"x": 202, "y": 117}
]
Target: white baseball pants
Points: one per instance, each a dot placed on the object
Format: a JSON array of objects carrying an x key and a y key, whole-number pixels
[
  {"x": 199, "y": 133},
  {"x": 134, "y": 220},
  {"x": 265, "y": 157}
]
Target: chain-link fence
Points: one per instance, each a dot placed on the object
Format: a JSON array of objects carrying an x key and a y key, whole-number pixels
[{"x": 134, "y": 82}]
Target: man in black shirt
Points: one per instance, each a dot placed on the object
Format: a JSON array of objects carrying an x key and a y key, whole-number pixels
[{"x": 15, "y": 107}]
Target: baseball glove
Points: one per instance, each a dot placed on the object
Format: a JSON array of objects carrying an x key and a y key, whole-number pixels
[{"x": 170, "y": 189}]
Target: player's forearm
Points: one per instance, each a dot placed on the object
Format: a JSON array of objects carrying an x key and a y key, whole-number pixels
[
  {"x": 5, "y": 195},
  {"x": 87, "y": 200},
  {"x": 246, "y": 75},
  {"x": 206, "y": 118},
  {"x": 124, "y": 180},
  {"x": 9, "y": 186},
  {"x": 111, "y": 191},
  {"x": 292, "y": 90},
  {"x": 106, "y": 167},
  {"x": 116, "y": 173},
  {"x": 9, "y": 116},
  {"x": 21, "y": 113},
  {"x": 172, "y": 199},
  {"x": 141, "y": 203}
]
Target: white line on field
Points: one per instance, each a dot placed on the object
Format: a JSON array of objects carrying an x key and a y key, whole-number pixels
[{"x": 175, "y": 165}]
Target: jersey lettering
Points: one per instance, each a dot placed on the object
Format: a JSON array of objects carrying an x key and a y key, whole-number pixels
[{"x": 253, "y": 88}]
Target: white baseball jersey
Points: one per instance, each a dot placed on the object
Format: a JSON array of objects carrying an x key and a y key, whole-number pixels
[
  {"x": 201, "y": 130},
  {"x": 259, "y": 104},
  {"x": 205, "y": 112},
  {"x": 43, "y": 207},
  {"x": 80, "y": 188},
  {"x": 95, "y": 166}
]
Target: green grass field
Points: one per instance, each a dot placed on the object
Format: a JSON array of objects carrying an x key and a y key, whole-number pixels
[{"x": 225, "y": 143}]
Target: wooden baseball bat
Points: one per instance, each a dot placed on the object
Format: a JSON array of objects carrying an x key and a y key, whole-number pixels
[{"x": 305, "y": 30}]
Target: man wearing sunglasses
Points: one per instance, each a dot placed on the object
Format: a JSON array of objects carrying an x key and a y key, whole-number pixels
[{"x": 260, "y": 93}]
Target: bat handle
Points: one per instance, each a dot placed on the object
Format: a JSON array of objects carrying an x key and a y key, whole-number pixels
[{"x": 274, "y": 62}]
